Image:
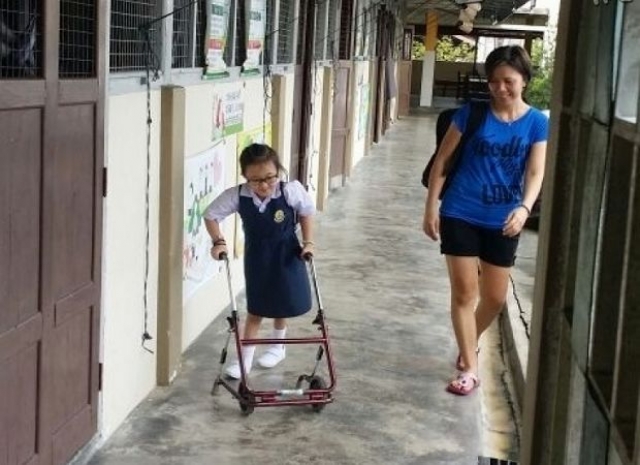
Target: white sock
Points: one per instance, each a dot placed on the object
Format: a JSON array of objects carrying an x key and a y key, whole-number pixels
[
  {"x": 247, "y": 356},
  {"x": 279, "y": 333}
]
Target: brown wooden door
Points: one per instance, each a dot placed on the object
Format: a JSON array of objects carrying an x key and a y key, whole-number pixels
[
  {"x": 340, "y": 125},
  {"x": 51, "y": 158},
  {"x": 404, "y": 87}
]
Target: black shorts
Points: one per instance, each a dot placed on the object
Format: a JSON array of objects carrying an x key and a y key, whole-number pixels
[{"x": 462, "y": 239}]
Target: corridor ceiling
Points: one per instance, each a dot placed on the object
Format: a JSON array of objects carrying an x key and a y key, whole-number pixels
[{"x": 492, "y": 12}]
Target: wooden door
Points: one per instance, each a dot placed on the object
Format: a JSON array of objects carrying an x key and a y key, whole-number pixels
[
  {"x": 340, "y": 125},
  {"x": 51, "y": 158},
  {"x": 404, "y": 87}
]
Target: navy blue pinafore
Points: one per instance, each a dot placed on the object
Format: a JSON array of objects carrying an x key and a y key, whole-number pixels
[{"x": 276, "y": 279}]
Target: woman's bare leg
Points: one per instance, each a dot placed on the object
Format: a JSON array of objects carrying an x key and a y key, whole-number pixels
[{"x": 463, "y": 275}]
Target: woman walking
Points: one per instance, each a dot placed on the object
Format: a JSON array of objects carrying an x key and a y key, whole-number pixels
[{"x": 486, "y": 204}]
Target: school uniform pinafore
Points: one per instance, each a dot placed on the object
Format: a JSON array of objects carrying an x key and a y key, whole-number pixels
[{"x": 277, "y": 284}]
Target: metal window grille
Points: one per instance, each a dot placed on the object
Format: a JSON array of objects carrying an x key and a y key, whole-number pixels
[
  {"x": 321, "y": 29},
  {"x": 332, "y": 29},
  {"x": 238, "y": 24},
  {"x": 286, "y": 22},
  {"x": 346, "y": 19},
  {"x": 20, "y": 38},
  {"x": 128, "y": 43},
  {"x": 77, "y": 38},
  {"x": 269, "y": 33},
  {"x": 201, "y": 31},
  {"x": 232, "y": 34},
  {"x": 302, "y": 14},
  {"x": 184, "y": 25}
]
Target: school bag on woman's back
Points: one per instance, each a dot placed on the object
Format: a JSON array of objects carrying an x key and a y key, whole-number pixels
[{"x": 476, "y": 118}]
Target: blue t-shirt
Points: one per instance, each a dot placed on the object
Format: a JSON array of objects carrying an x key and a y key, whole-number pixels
[{"x": 489, "y": 181}]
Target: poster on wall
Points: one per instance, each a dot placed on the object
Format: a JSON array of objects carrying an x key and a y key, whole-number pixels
[
  {"x": 363, "y": 116},
  {"x": 203, "y": 182},
  {"x": 216, "y": 38},
  {"x": 228, "y": 114},
  {"x": 260, "y": 135},
  {"x": 256, "y": 20}
]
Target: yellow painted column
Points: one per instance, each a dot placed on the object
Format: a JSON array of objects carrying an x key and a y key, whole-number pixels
[
  {"x": 429, "y": 59},
  {"x": 431, "y": 36}
]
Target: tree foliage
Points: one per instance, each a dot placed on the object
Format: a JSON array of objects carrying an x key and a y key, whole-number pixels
[
  {"x": 448, "y": 50},
  {"x": 417, "y": 50},
  {"x": 539, "y": 89}
]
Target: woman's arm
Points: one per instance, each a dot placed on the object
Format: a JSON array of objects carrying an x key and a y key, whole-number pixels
[
  {"x": 437, "y": 177},
  {"x": 533, "y": 175}
]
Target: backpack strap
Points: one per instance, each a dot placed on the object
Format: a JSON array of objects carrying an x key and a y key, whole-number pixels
[{"x": 477, "y": 114}]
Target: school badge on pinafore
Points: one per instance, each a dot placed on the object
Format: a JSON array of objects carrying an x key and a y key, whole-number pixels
[{"x": 278, "y": 217}]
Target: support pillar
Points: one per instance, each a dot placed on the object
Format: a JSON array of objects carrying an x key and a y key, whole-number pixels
[{"x": 429, "y": 60}]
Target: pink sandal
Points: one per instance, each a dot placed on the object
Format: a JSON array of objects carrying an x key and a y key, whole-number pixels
[{"x": 464, "y": 384}]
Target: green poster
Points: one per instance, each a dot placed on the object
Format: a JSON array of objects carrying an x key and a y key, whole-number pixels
[
  {"x": 216, "y": 37},
  {"x": 255, "y": 34}
]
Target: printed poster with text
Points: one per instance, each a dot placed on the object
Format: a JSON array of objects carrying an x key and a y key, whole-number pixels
[
  {"x": 216, "y": 37},
  {"x": 228, "y": 114},
  {"x": 255, "y": 34},
  {"x": 261, "y": 135},
  {"x": 203, "y": 182}
]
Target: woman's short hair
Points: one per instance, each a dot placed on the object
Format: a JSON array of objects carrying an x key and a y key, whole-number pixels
[{"x": 513, "y": 56}]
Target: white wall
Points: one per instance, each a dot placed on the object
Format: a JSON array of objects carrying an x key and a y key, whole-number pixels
[
  {"x": 315, "y": 138},
  {"x": 362, "y": 111},
  {"x": 129, "y": 372}
]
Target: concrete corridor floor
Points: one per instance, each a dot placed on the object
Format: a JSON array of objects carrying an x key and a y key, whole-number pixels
[{"x": 385, "y": 291}]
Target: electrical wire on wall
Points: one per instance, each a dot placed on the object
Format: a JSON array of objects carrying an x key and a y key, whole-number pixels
[{"x": 152, "y": 73}]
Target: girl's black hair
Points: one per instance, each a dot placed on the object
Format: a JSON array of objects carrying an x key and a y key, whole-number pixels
[
  {"x": 256, "y": 154},
  {"x": 511, "y": 55}
]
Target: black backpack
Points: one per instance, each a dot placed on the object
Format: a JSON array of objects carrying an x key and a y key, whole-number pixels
[{"x": 476, "y": 118}]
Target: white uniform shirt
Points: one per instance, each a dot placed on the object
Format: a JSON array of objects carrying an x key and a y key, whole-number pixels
[{"x": 228, "y": 202}]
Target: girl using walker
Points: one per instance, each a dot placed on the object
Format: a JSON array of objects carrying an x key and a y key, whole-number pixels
[{"x": 276, "y": 280}]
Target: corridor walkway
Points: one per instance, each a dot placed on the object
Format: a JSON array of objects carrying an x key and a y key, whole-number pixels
[{"x": 385, "y": 290}]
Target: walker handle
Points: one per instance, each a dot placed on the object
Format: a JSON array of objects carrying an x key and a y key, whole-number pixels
[
  {"x": 308, "y": 256},
  {"x": 223, "y": 257}
]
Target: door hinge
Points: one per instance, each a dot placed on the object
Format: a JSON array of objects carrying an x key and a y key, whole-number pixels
[
  {"x": 104, "y": 181},
  {"x": 100, "y": 376}
]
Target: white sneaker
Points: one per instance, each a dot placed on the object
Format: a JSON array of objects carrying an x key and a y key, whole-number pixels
[
  {"x": 274, "y": 355},
  {"x": 233, "y": 370}
]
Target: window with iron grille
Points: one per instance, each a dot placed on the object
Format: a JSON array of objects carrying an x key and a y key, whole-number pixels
[
  {"x": 346, "y": 20},
  {"x": 78, "y": 24},
  {"x": 333, "y": 25},
  {"x": 321, "y": 29},
  {"x": 201, "y": 31},
  {"x": 269, "y": 33},
  {"x": 232, "y": 34},
  {"x": 20, "y": 38},
  {"x": 286, "y": 23},
  {"x": 300, "y": 42},
  {"x": 184, "y": 47},
  {"x": 238, "y": 43},
  {"x": 128, "y": 43}
]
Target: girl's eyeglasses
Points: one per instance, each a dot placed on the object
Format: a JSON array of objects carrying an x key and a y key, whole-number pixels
[{"x": 269, "y": 180}]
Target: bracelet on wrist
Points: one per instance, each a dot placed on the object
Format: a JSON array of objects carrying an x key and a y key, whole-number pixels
[
  {"x": 526, "y": 208},
  {"x": 308, "y": 243},
  {"x": 220, "y": 241}
]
